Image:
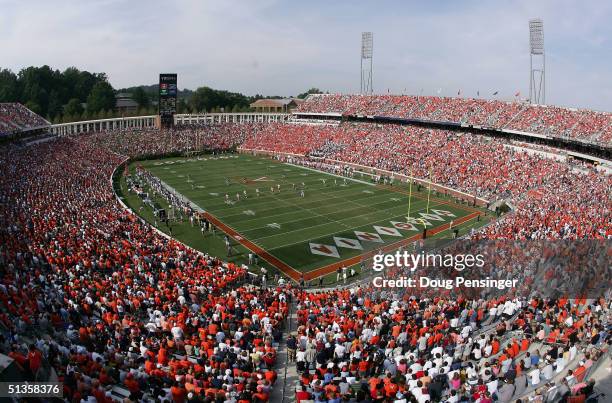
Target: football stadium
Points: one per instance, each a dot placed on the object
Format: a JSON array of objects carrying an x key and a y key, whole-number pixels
[{"x": 359, "y": 244}]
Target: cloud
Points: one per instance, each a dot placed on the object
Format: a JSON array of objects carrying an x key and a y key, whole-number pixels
[{"x": 275, "y": 47}]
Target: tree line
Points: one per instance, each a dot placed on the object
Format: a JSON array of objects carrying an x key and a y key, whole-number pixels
[{"x": 72, "y": 95}]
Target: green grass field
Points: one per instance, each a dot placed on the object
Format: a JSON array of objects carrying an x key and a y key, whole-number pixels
[{"x": 301, "y": 232}]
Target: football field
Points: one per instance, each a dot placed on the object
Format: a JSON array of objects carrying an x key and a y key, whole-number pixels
[{"x": 334, "y": 223}]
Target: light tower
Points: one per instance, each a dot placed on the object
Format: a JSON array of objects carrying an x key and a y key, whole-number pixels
[
  {"x": 367, "y": 49},
  {"x": 537, "y": 62}
]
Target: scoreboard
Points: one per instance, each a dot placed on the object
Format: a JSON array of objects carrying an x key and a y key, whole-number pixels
[{"x": 168, "y": 92}]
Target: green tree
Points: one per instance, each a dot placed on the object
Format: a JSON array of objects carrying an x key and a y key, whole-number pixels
[
  {"x": 34, "y": 107},
  {"x": 206, "y": 99},
  {"x": 80, "y": 83},
  {"x": 203, "y": 99},
  {"x": 73, "y": 107},
  {"x": 102, "y": 97},
  {"x": 37, "y": 83},
  {"x": 55, "y": 104},
  {"x": 141, "y": 97},
  {"x": 310, "y": 91},
  {"x": 182, "y": 106},
  {"x": 47, "y": 89},
  {"x": 9, "y": 86},
  {"x": 33, "y": 94}
]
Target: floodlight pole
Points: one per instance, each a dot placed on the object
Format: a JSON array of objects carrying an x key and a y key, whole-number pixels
[
  {"x": 367, "y": 51},
  {"x": 537, "y": 62}
]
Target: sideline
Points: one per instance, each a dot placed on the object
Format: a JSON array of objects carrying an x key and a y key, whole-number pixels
[{"x": 136, "y": 215}]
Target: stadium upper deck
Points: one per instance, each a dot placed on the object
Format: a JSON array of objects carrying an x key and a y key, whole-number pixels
[
  {"x": 580, "y": 124},
  {"x": 15, "y": 118}
]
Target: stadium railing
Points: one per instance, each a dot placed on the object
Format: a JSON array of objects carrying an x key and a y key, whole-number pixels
[{"x": 135, "y": 122}]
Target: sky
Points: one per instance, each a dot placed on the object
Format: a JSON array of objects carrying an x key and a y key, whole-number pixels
[{"x": 275, "y": 47}]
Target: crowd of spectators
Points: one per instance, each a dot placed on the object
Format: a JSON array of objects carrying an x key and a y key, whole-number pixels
[
  {"x": 594, "y": 124},
  {"x": 550, "y": 120},
  {"x": 359, "y": 345},
  {"x": 569, "y": 206},
  {"x": 545, "y": 120},
  {"x": 16, "y": 118},
  {"x": 107, "y": 302},
  {"x": 181, "y": 139}
]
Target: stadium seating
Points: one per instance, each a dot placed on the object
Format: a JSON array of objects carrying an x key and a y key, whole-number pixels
[
  {"x": 109, "y": 302},
  {"x": 389, "y": 349},
  {"x": 188, "y": 138},
  {"x": 15, "y": 118},
  {"x": 554, "y": 121}
]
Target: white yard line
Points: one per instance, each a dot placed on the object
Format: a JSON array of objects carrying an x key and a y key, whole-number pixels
[
  {"x": 310, "y": 211},
  {"x": 330, "y": 174},
  {"x": 331, "y": 233},
  {"x": 308, "y": 190},
  {"x": 360, "y": 205},
  {"x": 334, "y": 212}
]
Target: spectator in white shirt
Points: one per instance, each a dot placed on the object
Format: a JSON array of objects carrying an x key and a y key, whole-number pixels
[{"x": 535, "y": 376}]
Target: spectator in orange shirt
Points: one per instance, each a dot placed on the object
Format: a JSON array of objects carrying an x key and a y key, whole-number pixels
[{"x": 178, "y": 392}]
